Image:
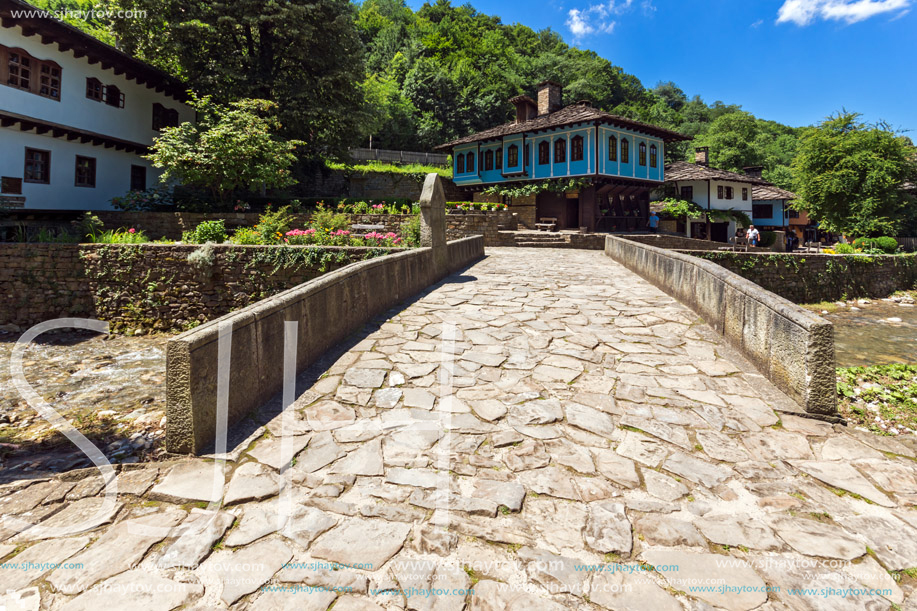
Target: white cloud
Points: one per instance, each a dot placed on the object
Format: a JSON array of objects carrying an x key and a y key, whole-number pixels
[
  {"x": 757, "y": 24},
  {"x": 804, "y": 12},
  {"x": 600, "y": 18}
]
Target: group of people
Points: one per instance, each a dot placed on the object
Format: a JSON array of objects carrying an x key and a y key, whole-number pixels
[{"x": 752, "y": 234}]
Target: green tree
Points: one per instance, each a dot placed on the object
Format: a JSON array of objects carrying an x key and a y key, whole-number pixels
[
  {"x": 849, "y": 176},
  {"x": 229, "y": 148},
  {"x": 304, "y": 56}
]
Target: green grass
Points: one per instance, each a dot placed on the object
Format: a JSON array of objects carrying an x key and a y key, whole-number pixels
[
  {"x": 891, "y": 389},
  {"x": 410, "y": 168}
]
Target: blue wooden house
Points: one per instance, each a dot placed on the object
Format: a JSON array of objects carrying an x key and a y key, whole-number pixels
[{"x": 622, "y": 159}]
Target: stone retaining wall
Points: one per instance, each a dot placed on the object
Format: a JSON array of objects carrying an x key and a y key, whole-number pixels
[
  {"x": 793, "y": 347},
  {"x": 676, "y": 242},
  {"x": 812, "y": 278},
  {"x": 150, "y": 286}
]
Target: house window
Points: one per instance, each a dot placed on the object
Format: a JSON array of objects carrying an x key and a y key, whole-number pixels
[
  {"x": 138, "y": 178},
  {"x": 729, "y": 193},
  {"x": 625, "y": 150},
  {"x": 744, "y": 194},
  {"x": 499, "y": 158},
  {"x": 576, "y": 148},
  {"x": 49, "y": 81},
  {"x": 512, "y": 156},
  {"x": 85, "y": 171},
  {"x": 38, "y": 166},
  {"x": 20, "y": 70},
  {"x": 794, "y": 214},
  {"x": 612, "y": 148},
  {"x": 719, "y": 192},
  {"x": 687, "y": 193},
  {"x": 460, "y": 164},
  {"x": 23, "y": 71},
  {"x": 10, "y": 185},
  {"x": 544, "y": 152},
  {"x": 469, "y": 162},
  {"x": 164, "y": 117},
  {"x": 94, "y": 89},
  {"x": 642, "y": 153},
  {"x": 526, "y": 154},
  {"x": 654, "y": 157},
  {"x": 560, "y": 150},
  {"x": 114, "y": 97},
  {"x": 489, "y": 161},
  {"x": 762, "y": 211}
]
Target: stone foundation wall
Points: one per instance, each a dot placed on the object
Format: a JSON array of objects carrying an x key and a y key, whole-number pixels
[
  {"x": 151, "y": 287},
  {"x": 811, "y": 278},
  {"x": 371, "y": 185}
]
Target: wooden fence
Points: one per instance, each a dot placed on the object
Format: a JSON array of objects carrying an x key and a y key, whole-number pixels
[
  {"x": 908, "y": 244},
  {"x": 361, "y": 154}
]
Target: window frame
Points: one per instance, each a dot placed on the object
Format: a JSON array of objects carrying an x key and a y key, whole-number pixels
[
  {"x": 744, "y": 194},
  {"x": 37, "y": 68},
  {"x": 687, "y": 193},
  {"x": 106, "y": 98},
  {"x": 47, "y": 169},
  {"x": 612, "y": 148},
  {"x": 544, "y": 152},
  {"x": 50, "y": 66},
  {"x": 654, "y": 156},
  {"x": 560, "y": 150},
  {"x": 141, "y": 167},
  {"x": 488, "y": 160},
  {"x": 730, "y": 192},
  {"x": 758, "y": 207},
  {"x": 576, "y": 148},
  {"x": 641, "y": 154},
  {"x": 459, "y": 163},
  {"x": 469, "y": 162},
  {"x": 625, "y": 150},
  {"x": 498, "y": 158},
  {"x": 512, "y": 156},
  {"x": 88, "y": 184},
  {"x": 91, "y": 83}
]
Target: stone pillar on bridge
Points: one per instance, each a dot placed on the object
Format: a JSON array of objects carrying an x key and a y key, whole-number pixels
[{"x": 433, "y": 220}]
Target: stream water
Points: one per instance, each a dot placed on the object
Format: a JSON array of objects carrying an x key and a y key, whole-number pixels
[{"x": 880, "y": 333}]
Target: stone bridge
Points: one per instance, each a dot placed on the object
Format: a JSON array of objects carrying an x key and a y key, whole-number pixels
[{"x": 543, "y": 431}]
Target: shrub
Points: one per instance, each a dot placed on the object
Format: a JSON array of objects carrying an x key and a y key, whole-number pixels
[
  {"x": 767, "y": 239},
  {"x": 202, "y": 258},
  {"x": 246, "y": 235},
  {"x": 119, "y": 236},
  {"x": 411, "y": 231},
  {"x": 844, "y": 249},
  {"x": 325, "y": 218},
  {"x": 273, "y": 225},
  {"x": 138, "y": 201},
  {"x": 210, "y": 231},
  {"x": 887, "y": 244}
]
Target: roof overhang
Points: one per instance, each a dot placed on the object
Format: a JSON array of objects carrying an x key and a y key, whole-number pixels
[
  {"x": 11, "y": 120},
  {"x": 68, "y": 38}
]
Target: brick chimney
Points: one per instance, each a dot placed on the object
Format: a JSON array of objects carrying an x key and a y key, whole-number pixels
[
  {"x": 526, "y": 108},
  {"x": 702, "y": 155},
  {"x": 549, "y": 97},
  {"x": 754, "y": 171}
]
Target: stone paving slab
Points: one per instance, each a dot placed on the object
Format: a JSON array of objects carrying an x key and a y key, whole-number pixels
[{"x": 549, "y": 430}]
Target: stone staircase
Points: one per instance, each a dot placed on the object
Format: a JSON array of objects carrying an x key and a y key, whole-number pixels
[{"x": 541, "y": 239}]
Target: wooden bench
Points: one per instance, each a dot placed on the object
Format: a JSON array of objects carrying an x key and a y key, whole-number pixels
[
  {"x": 354, "y": 229},
  {"x": 546, "y": 224}
]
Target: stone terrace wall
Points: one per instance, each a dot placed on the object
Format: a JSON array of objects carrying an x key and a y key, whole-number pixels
[
  {"x": 811, "y": 278},
  {"x": 677, "y": 242},
  {"x": 371, "y": 185},
  {"x": 151, "y": 287}
]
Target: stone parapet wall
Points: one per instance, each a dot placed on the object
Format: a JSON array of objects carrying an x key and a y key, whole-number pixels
[
  {"x": 677, "y": 242},
  {"x": 151, "y": 287},
  {"x": 791, "y": 346},
  {"x": 812, "y": 278}
]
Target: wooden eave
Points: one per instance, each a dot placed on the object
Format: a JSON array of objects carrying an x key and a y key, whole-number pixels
[{"x": 9, "y": 119}]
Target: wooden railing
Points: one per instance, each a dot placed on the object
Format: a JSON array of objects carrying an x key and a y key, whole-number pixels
[
  {"x": 908, "y": 244},
  {"x": 362, "y": 154}
]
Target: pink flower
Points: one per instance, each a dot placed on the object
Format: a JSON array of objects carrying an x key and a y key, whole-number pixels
[{"x": 132, "y": 230}]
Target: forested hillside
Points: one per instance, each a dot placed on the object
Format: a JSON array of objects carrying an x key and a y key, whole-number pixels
[{"x": 343, "y": 73}]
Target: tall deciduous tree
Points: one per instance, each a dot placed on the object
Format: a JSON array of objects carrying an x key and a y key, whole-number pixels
[
  {"x": 303, "y": 55},
  {"x": 850, "y": 176}
]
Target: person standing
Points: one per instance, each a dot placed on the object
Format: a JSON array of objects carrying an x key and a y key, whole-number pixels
[
  {"x": 753, "y": 236},
  {"x": 653, "y": 222}
]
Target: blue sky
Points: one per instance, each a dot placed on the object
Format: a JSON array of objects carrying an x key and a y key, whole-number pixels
[{"x": 793, "y": 61}]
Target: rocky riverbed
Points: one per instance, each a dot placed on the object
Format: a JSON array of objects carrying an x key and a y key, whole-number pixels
[
  {"x": 111, "y": 388},
  {"x": 873, "y": 331}
]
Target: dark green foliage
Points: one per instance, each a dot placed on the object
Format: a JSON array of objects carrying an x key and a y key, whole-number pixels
[
  {"x": 850, "y": 176},
  {"x": 884, "y": 244},
  {"x": 844, "y": 249}
]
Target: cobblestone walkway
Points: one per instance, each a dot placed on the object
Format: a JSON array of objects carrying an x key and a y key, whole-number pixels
[{"x": 547, "y": 430}]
